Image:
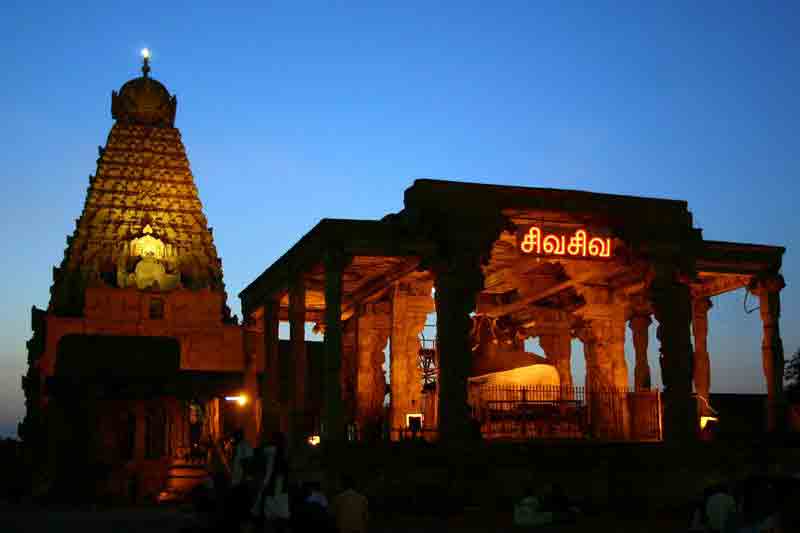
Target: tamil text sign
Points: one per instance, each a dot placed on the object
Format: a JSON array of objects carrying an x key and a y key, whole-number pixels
[{"x": 536, "y": 240}]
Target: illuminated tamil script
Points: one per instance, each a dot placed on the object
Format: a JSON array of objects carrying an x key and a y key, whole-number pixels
[{"x": 579, "y": 244}]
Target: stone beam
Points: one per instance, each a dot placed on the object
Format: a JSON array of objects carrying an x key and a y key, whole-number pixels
[
  {"x": 713, "y": 286},
  {"x": 378, "y": 283},
  {"x": 526, "y": 301}
]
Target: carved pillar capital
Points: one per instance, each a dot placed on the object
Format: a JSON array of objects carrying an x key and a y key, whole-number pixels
[
  {"x": 767, "y": 283},
  {"x": 335, "y": 259},
  {"x": 701, "y": 306},
  {"x": 459, "y": 273}
]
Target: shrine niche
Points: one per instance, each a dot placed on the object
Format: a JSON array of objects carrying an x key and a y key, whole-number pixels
[{"x": 153, "y": 263}]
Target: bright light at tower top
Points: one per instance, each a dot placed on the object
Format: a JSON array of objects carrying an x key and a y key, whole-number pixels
[{"x": 146, "y": 53}]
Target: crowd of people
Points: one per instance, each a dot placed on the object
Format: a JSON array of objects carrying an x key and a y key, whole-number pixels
[
  {"x": 754, "y": 505},
  {"x": 550, "y": 506},
  {"x": 254, "y": 494}
]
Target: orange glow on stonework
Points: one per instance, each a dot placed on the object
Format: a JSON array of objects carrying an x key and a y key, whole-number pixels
[{"x": 579, "y": 244}]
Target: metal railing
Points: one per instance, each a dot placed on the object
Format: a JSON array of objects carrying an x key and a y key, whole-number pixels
[{"x": 524, "y": 412}]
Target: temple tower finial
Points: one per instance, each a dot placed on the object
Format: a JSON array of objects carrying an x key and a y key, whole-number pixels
[{"x": 145, "y": 62}]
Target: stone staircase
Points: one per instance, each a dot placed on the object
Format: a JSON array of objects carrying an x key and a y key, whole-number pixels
[{"x": 182, "y": 477}]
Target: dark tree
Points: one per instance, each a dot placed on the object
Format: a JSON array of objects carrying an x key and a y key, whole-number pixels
[{"x": 791, "y": 374}]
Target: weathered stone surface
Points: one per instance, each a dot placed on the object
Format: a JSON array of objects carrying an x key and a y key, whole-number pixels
[
  {"x": 603, "y": 334},
  {"x": 558, "y": 348},
  {"x": 374, "y": 329},
  {"x": 411, "y": 304}
]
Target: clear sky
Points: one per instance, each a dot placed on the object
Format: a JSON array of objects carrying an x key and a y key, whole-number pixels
[{"x": 296, "y": 111}]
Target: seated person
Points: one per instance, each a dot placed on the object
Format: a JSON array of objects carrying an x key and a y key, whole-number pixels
[{"x": 529, "y": 511}]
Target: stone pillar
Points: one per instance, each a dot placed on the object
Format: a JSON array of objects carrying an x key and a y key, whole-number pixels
[
  {"x": 298, "y": 368},
  {"x": 251, "y": 390},
  {"x": 584, "y": 335},
  {"x": 349, "y": 375},
  {"x": 607, "y": 381},
  {"x": 411, "y": 303},
  {"x": 639, "y": 325},
  {"x": 457, "y": 285},
  {"x": 768, "y": 291},
  {"x": 557, "y": 347},
  {"x": 333, "y": 423},
  {"x": 374, "y": 328},
  {"x": 139, "y": 444},
  {"x": 671, "y": 303},
  {"x": 702, "y": 364},
  {"x": 270, "y": 406}
]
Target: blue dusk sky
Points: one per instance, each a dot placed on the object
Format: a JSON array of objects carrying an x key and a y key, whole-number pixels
[{"x": 294, "y": 111}]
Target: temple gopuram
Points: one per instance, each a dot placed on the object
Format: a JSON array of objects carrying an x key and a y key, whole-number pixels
[
  {"x": 499, "y": 265},
  {"x": 130, "y": 364}
]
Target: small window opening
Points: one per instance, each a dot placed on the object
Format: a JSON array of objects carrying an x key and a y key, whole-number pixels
[{"x": 156, "y": 309}]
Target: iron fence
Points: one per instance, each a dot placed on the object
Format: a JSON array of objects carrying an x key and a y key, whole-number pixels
[{"x": 524, "y": 412}]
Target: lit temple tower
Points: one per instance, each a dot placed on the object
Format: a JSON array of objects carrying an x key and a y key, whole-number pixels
[{"x": 137, "y": 346}]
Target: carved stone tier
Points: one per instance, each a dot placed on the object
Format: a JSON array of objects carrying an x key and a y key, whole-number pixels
[{"x": 142, "y": 222}]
